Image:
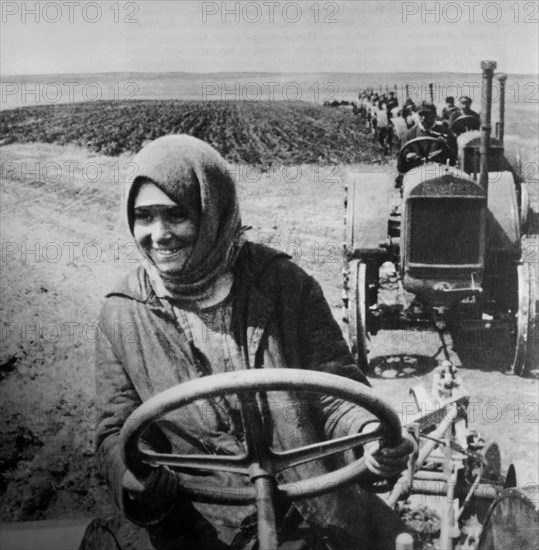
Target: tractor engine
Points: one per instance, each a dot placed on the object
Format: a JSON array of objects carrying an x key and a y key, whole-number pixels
[
  {"x": 443, "y": 234},
  {"x": 469, "y": 153}
]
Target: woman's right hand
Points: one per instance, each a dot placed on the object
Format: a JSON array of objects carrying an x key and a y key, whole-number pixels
[{"x": 157, "y": 489}]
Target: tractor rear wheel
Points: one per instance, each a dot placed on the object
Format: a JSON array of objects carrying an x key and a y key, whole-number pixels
[
  {"x": 511, "y": 522},
  {"x": 362, "y": 294},
  {"x": 527, "y": 331},
  {"x": 99, "y": 536}
]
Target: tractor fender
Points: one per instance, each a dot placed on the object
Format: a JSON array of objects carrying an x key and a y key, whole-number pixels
[
  {"x": 368, "y": 200},
  {"x": 503, "y": 220}
]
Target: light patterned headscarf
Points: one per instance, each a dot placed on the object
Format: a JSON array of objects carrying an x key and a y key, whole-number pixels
[{"x": 181, "y": 165}]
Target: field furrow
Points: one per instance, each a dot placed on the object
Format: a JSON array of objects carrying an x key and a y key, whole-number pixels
[{"x": 257, "y": 132}]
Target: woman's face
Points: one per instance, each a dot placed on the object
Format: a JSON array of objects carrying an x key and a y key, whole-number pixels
[{"x": 165, "y": 230}]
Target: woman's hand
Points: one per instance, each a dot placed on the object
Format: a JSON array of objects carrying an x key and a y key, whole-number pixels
[
  {"x": 157, "y": 489},
  {"x": 389, "y": 461}
]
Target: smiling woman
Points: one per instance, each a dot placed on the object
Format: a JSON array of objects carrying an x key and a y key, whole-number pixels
[{"x": 204, "y": 301}]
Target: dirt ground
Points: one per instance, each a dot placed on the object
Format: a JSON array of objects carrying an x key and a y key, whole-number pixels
[{"x": 62, "y": 248}]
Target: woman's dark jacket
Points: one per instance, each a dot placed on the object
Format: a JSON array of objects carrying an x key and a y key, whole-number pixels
[{"x": 280, "y": 319}]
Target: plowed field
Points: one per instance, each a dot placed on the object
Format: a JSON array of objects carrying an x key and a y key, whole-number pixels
[{"x": 261, "y": 133}]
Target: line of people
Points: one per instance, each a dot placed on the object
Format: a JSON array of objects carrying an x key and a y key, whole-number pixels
[
  {"x": 391, "y": 123},
  {"x": 377, "y": 110}
]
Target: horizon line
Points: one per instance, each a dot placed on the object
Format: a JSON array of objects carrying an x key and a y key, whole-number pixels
[{"x": 248, "y": 72}]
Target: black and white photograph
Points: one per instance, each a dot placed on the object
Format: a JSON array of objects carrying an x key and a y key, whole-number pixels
[{"x": 269, "y": 275}]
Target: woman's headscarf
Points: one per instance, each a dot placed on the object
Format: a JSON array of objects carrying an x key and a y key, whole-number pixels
[{"x": 179, "y": 165}]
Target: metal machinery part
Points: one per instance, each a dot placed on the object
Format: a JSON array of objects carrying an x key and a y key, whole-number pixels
[{"x": 454, "y": 462}]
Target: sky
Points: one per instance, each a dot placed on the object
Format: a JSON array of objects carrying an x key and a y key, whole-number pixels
[{"x": 64, "y": 37}]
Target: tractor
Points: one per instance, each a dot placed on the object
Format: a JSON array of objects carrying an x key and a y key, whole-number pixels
[
  {"x": 452, "y": 496},
  {"x": 454, "y": 231},
  {"x": 469, "y": 503}
]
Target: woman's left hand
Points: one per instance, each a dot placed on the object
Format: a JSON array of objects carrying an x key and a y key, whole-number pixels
[{"x": 387, "y": 462}]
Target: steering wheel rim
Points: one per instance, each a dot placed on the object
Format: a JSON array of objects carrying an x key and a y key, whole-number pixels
[
  {"x": 427, "y": 149},
  {"x": 464, "y": 123},
  {"x": 250, "y": 382}
]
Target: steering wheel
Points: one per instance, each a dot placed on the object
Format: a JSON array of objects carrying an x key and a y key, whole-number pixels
[
  {"x": 260, "y": 461},
  {"x": 423, "y": 149},
  {"x": 246, "y": 383},
  {"x": 464, "y": 123}
]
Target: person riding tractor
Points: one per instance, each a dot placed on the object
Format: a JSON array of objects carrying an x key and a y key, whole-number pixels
[
  {"x": 428, "y": 126},
  {"x": 449, "y": 109}
]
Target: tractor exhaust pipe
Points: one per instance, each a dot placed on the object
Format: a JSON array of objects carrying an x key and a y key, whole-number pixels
[
  {"x": 502, "y": 77},
  {"x": 486, "y": 107}
]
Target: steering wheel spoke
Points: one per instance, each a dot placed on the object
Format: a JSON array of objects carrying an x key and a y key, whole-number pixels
[
  {"x": 294, "y": 457},
  {"x": 186, "y": 463}
]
